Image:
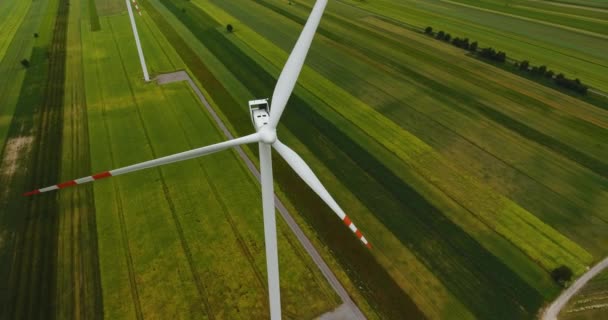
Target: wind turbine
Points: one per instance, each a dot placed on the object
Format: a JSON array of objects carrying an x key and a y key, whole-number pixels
[{"x": 265, "y": 120}]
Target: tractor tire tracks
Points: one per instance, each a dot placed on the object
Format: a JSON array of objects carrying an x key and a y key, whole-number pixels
[
  {"x": 184, "y": 244},
  {"x": 123, "y": 228}
]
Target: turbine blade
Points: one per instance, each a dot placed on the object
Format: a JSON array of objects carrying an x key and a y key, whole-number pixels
[
  {"x": 291, "y": 70},
  {"x": 270, "y": 231},
  {"x": 304, "y": 171},
  {"x": 194, "y": 153}
]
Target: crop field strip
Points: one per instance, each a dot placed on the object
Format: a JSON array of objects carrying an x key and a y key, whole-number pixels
[
  {"x": 447, "y": 123},
  {"x": 79, "y": 284},
  {"x": 120, "y": 30},
  {"x": 569, "y": 52},
  {"x": 584, "y": 20},
  {"x": 241, "y": 77},
  {"x": 11, "y": 17},
  {"x": 31, "y": 226},
  {"x": 586, "y": 4},
  {"x": 178, "y": 227},
  {"x": 20, "y": 47}
]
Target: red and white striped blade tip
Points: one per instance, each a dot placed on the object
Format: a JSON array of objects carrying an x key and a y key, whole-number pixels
[
  {"x": 70, "y": 183},
  {"x": 357, "y": 232}
]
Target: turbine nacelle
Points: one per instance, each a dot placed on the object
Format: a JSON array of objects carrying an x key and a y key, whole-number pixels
[{"x": 260, "y": 117}]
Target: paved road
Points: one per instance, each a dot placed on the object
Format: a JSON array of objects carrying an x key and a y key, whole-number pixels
[
  {"x": 348, "y": 310},
  {"x": 554, "y": 309}
]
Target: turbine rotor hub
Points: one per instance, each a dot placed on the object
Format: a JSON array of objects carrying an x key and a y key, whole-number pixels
[{"x": 268, "y": 135}]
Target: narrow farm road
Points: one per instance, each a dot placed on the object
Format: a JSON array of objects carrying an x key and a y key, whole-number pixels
[
  {"x": 553, "y": 310},
  {"x": 348, "y": 310}
]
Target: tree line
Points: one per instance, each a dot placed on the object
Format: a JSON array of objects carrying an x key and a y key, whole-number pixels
[{"x": 490, "y": 53}]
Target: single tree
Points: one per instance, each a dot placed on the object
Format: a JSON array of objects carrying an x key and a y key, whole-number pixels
[
  {"x": 229, "y": 28},
  {"x": 440, "y": 35},
  {"x": 428, "y": 30},
  {"x": 561, "y": 275},
  {"x": 447, "y": 37},
  {"x": 549, "y": 74},
  {"x": 524, "y": 65},
  {"x": 25, "y": 63},
  {"x": 35, "y": 35}
]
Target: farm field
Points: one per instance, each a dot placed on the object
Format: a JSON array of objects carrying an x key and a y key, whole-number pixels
[
  {"x": 472, "y": 183},
  {"x": 537, "y": 31},
  {"x": 589, "y": 303}
]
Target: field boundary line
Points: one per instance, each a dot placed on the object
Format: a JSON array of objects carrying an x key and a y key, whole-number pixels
[
  {"x": 556, "y": 25},
  {"x": 94, "y": 236},
  {"x": 355, "y": 312}
]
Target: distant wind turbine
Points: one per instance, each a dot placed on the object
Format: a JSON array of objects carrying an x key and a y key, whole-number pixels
[{"x": 265, "y": 120}]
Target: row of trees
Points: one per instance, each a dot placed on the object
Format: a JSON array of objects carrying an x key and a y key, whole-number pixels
[
  {"x": 500, "y": 56},
  {"x": 463, "y": 43},
  {"x": 560, "y": 79},
  {"x": 572, "y": 84}
]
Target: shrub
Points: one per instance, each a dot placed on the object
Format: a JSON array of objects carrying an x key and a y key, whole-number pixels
[
  {"x": 25, "y": 63},
  {"x": 229, "y": 28}
]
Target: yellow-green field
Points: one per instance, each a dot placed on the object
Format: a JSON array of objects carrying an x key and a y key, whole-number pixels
[{"x": 471, "y": 182}]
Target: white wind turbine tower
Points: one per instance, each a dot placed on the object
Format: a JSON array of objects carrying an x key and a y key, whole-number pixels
[{"x": 265, "y": 120}]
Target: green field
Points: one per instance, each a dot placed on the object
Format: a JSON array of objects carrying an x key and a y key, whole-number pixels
[
  {"x": 589, "y": 303},
  {"x": 471, "y": 182},
  {"x": 572, "y": 44}
]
